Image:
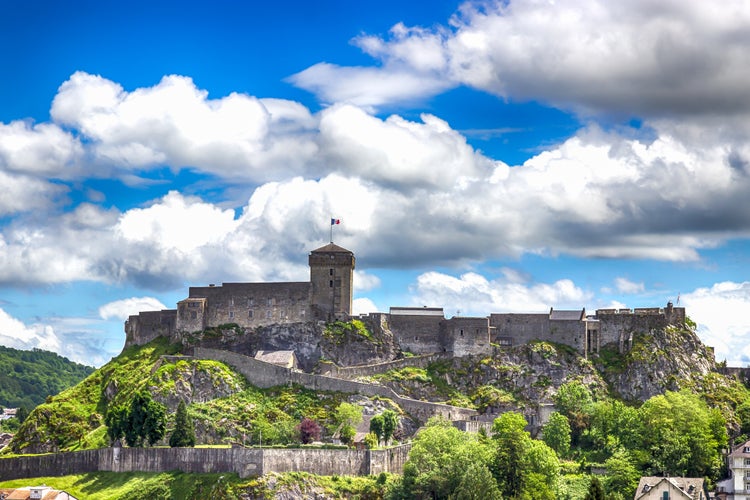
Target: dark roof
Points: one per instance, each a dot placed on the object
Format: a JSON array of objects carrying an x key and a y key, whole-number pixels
[
  {"x": 567, "y": 315},
  {"x": 331, "y": 248},
  {"x": 742, "y": 450}
]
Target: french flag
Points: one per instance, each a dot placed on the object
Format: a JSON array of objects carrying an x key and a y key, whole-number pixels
[{"x": 335, "y": 221}]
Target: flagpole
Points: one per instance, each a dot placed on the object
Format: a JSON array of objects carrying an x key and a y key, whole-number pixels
[{"x": 332, "y": 230}]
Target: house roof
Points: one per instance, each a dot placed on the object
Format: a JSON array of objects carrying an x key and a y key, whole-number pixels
[
  {"x": 331, "y": 248},
  {"x": 563, "y": 315},
  {"x": 281, "y": 358},
  {"x": 742, "y": 450},
  {"x": 689, "y": 487}
]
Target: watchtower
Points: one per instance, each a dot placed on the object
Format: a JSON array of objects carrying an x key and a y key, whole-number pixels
[{"x": 331, "y": 276}]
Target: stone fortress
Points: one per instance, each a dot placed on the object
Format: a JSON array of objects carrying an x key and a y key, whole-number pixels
[{"x": 418, "y": 330}]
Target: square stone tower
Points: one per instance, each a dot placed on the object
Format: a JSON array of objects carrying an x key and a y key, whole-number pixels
[{"x": 331, "y": 276}]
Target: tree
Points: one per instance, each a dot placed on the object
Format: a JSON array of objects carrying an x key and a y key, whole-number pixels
[
  {"x": 477, "y": 483},
  {"x": 348, "y": 416},
  {"x": 573, "y": 399},
  {"x": 183, "y": 434},
  {"x": 683, "y": 435},
  {"x": 371, "y": 440},
  {"x": 556, "y": 433},
  {"x": 511, "y": 440},
  {"x": 622, "y": 475},
  {"x": 390, "y": 422},
  {"x": 115, "y": 420},
  {"x": 596, "y": 492},
  {"x": 439, "y": 460},
  {"x": 376, "y": 426},
  {"x": 309, "y": 431},
  {"x": 22, "y": 414},
  {"x": 144, "y": 420}
]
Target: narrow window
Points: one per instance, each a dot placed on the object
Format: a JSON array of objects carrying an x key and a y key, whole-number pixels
[
  {"x": 330, "y": 283},
  {"x": 330, "y": 272},
  {"x": 269, "y": 314},
  {"x": 231, "y": 314},
  {"x": 250, "y": 313}
]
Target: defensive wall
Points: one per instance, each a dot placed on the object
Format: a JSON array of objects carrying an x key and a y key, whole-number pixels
[
  {"x": 267, "y": 375},
  {"x": 351, "y": 372},
  {"x": 245, "y": 462}
]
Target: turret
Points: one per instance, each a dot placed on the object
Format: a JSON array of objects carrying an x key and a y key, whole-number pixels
[{"x": 331, "y": 276}]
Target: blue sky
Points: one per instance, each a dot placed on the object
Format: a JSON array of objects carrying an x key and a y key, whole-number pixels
[{"x": 483, "y": 157}]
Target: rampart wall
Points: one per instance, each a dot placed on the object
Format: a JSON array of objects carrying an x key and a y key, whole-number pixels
[
  {"x": 520, "y": 328},
  {"x": 617, "y": 326},
  {"x": 467, "y": 335},
  {"x": 252, "y": 304},
  {"x": 266, "y": 375},
  {"x": 351, "y": 372},
  {"x": 245, "y": 462},
  {"x": 418, "y": 334},
  {"x": 144, "y": 327},
  {"x": 572, "y": 333}
]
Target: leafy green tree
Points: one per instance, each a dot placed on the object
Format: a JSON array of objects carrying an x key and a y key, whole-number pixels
[
  {"x": 622, "y": 475},
  {"x": 614, "y": 424},
  {"x": 22, "y": 413},
  {"x": 376, "y": 426},
  {"x": 183, "y": 434},
  {"x": 347, "y": 417},
  {"x": 116, "y": 421},
  {"x": 439, "y": 461},
  {"x": 556, "y": 433},
  {"x": 683, "y": 435},
  {"x": 477, "y": 483},
  {"x": 596, "y": 492},
  {"x": 371, "y": 440},
  {"x": 573, "y": 399},
  {"x": 390, "y": 423},
  {"x": 511, "y": 440},
  {"x": 145, "y": 420}
]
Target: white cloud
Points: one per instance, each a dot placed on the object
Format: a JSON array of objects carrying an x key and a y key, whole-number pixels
[
  {"x": 633, "y": 58},
  {"x": 474, "y": 294},
  {"x": 624, "y": 285},
  {"x": 14, "y": 333},
  {"x": 121, "y": 309},
  {"x": 363, "y": 306},
  {"x": 174, "y": 123},
  {"x": 364, "y": 281},
  {"x": 43, "y": 149},
  {"x": 721, "y": 314}
]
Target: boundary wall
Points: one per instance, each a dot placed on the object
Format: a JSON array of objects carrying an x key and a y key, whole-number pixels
[
  {"x": 245, "y": 462},
  {"x": 265, "y": 375},
  {"x": 350, "y": 372}
]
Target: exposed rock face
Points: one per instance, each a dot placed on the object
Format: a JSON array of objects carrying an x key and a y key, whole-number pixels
[
  {"x": 192, "y": 381},
  {"x": 527, "y": 375},
  {"x": 660, "y": 360},
  {"x": 309, "y": 341}
]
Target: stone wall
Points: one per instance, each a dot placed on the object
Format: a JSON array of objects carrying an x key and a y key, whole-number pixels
[
  {"x": 568, "y": 332},
  {"x": 418, "y": 334},
  {"x": 266, "y": 375},
  {"x": 519, "y": 328},
  {"x": 245, "y": 462},
  {"x": 467, "y": 336},
  {"x": 146, "y": 326},
  {"x": 249, "y": 304},
  {"x": 351, "y": 372},
  {"x": 617, "y": 326}
]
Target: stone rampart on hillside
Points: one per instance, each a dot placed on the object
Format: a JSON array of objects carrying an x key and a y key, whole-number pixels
[
  {"x": 266, "y": 375},
  {"x": 245, "y": 462},
  {"x": 351, "y": 372}
]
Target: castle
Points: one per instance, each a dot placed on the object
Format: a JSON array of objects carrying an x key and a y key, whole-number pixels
[{"x": 327, "y": 296}]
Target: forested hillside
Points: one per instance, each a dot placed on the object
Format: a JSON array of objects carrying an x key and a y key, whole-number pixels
[{"x": 28, "y": 377}]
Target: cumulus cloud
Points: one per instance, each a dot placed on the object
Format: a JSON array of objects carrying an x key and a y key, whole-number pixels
[
  {"x": 364, "y": 281},
  {"x": 639, "y": 58},
  {"x": 174, "y": 123},
  {"x": 624, "y": 285},
  {"x": 121, "y": 309},
  {"x": 14, "y": 333},
  {"x": 474, "y": 294},
  {"x": 720, "y": 312},
  {"x": 363, "y": 306}
]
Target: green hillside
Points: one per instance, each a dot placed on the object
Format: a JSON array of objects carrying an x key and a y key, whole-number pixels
[{"x": 28, "y": 377}]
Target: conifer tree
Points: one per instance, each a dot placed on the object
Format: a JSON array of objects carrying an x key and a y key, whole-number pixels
[{"x": 183, "y": 434}]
